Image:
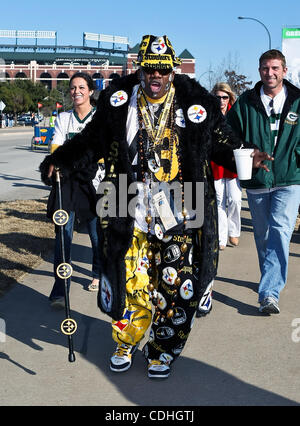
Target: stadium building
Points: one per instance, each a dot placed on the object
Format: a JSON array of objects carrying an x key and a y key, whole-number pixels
[{"x": 110, "y": 57}]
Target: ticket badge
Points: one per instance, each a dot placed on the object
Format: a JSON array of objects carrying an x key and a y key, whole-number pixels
[{"x": 165, "y": 211}]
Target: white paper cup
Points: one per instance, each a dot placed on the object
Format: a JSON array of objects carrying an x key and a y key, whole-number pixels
[{"x": 244, "y": 163}]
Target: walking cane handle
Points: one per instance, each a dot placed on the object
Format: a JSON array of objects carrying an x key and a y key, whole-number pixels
[{"x": 57, "y": 174}]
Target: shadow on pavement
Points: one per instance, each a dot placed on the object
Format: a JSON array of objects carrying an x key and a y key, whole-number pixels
[{"x": 192, "y": 382}]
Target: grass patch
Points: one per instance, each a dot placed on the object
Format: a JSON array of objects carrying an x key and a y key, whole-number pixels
[{"x": 26, "y": 236}]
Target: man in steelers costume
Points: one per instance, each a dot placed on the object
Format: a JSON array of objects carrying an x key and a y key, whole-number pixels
[{"x": 154, "y": 128}]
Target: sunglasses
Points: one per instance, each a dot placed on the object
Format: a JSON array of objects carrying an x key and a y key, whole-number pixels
[
  {"x": 223, "y": 97},
  {"x": 161, "y": 71}
]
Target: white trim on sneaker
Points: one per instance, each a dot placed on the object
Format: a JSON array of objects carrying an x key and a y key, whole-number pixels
[
  {"x": 269, "y": 306},
  {"x": 158, "y": 369},
  {"x": 121, "y": 359}
]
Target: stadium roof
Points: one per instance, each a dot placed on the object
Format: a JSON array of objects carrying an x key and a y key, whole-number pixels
[
  {"x": 53, "y": 53},
  {"x": 19, "y": 57},
  {"x": 62, "y": 54}
]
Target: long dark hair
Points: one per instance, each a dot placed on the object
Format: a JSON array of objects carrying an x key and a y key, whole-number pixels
[{"x": 89, "y": 82}]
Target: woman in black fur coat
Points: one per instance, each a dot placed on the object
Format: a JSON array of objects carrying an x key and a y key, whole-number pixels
[{"x": 154, "y": 127}]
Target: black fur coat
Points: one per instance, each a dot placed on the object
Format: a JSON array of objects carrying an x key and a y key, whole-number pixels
[{"x": 105, "y": 136}]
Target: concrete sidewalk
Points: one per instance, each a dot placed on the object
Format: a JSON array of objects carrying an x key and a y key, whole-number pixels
[
  {"x": 234, "y": 356},
  {"x": 4, "y": 131}
]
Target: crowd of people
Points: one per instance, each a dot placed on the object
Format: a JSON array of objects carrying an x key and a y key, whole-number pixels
[
  {"x": 6, "y": 120},
  {"x": 155, "y": 129}
]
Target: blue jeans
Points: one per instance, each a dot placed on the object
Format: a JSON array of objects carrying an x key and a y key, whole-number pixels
[
  {"x": 274, "y": 216},
  {"x": 58, "y": 288}
]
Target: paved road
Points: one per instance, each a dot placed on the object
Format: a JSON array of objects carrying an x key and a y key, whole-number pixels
[
  {"x": 234, "y": 356},
  {"x": 19, "y": 175}
]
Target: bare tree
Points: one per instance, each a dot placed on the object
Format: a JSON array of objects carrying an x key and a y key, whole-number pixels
[
  {"x": 237, "y": 82},
  {"x": 227, "y": 71}
]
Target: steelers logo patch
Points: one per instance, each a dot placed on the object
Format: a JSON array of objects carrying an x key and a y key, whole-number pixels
[
  {"x": 159, "y": 46},
  {"x": 60, "y": 217},
  {"x": 68, "y": 326},
  {"x": 118, "y": 98},
  {"x": 106, "y": 294},
  {"x": 64, "y": 271},
  {"x": 143, "y": 265},
  {"x": 161, "y": 301},
  {"x": 169, "y": 275},
  {"x": 179, "y": 119},
  {"x": 186, "y": 290},
  {"x": 196, "y": 113}
]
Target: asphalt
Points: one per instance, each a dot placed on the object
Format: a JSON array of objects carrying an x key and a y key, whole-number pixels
[{"x": 234, "y": 357}]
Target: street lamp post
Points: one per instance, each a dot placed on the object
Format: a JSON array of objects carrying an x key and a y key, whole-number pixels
[
  {"x": 206, "y": 72},
  {"x": 253, "y": 19}
]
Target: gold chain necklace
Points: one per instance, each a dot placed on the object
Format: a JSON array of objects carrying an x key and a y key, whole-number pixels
[
  {"x": 155, "y": 134},
  {"x": 155, "y": 139}
]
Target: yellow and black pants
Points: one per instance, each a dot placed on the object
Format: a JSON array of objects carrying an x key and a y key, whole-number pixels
[{"x": 168, "y": 335}]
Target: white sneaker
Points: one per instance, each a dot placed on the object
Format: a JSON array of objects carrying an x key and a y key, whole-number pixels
[
  {"x": 269, "y": 306},
  {"x": 158, "y": 369},
  {"x": 121, "y": 359}
]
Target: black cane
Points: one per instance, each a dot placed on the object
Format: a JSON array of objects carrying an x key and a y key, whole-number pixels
[{"x": 64, "y": 270}]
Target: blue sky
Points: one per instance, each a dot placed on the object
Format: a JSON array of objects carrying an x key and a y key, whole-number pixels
[{"x": 210, "y": 30}]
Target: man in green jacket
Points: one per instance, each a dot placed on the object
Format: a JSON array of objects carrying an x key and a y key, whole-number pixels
[{"x": 269, "y": 116}]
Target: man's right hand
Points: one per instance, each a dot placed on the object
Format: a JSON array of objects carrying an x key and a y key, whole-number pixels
[
  {"x": 50, "y": 171},
  {"x": 47, "y": 168}
]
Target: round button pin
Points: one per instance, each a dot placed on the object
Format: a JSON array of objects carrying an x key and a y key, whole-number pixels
[
  {"x": 68, "y": 326},
  {"x": 60, "y": 217}
]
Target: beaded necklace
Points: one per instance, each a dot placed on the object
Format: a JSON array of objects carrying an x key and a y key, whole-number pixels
[{"x": 146, "y": 151}]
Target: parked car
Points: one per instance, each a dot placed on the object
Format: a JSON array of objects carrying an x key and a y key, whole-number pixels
[{"x": 26, "y": 119}]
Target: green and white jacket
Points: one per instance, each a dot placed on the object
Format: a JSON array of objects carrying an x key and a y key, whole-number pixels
[{"x": 250, "y": 122}]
